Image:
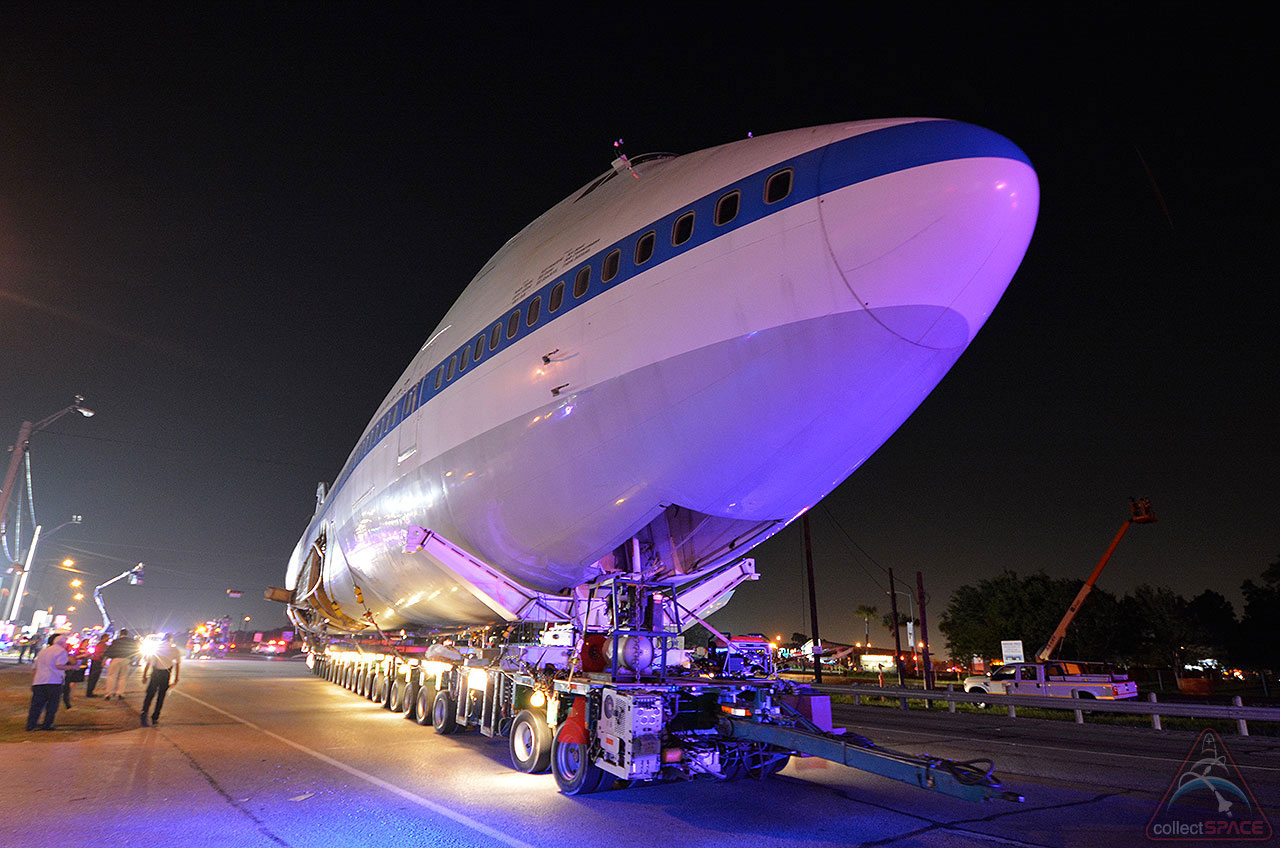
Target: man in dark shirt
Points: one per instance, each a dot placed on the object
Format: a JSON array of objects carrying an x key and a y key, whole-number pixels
[{"x": 97, "y": 659}]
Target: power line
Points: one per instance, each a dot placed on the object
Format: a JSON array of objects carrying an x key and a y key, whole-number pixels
[{"x": 850, "y": 540}]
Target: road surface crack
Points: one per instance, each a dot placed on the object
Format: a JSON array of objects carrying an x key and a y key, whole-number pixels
[{"x": 232, "y": 802}]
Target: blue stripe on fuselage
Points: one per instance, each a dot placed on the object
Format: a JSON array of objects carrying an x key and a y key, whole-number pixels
[{"x": 830, "y": 168}]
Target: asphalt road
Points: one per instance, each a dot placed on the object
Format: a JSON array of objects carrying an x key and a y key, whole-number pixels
[{"x": 262, "y": 753}]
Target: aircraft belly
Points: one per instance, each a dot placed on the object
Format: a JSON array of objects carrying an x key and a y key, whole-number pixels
[{"x": 755, "y": 428}]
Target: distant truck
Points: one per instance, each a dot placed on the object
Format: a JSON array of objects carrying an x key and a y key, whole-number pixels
[{"x": 1057, "y": 678}]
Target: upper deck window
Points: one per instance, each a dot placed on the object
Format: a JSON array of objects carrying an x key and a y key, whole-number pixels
[
  {"x": 727, "y": 207},
  {"x": 513, "y": 323},
  {"x": 495, "y": 335},
  {"x": 479, "y": 351},
  {"x": 439, "y": 376},
  {"x": 611, "y": 263},
  {"x": 682, "y": 229},
  {"x": 644, "y": 247},
  {"x": 466, "y": 359},
  {"x": 778, "y": 186},
  {"x": 453, "y": 366},
  {"x": 535, "y": 309},
  {"x": 557, "y": 297},
  {"x": 581, "y": 281}
]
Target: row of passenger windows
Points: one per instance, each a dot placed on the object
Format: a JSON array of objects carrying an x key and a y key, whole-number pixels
[{"x": 776, "y": 188}]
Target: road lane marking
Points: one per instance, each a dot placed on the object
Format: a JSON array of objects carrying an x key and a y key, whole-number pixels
[{"x": 460, "y": 818}]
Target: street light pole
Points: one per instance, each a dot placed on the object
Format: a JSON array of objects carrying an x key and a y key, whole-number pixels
[
  {"x": 15, "y": 603},
  {"x": 19, "y": 453},
  {"x": 20, "y": 582},
  {"x": 25, "y": 432}
]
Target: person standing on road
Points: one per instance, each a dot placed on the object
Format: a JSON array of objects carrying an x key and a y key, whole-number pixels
[
  {"x": 97, "y": 659},
  {"x": 166, "y": 659},
  {"x": 119, "y": 656},
  {"x": 28, "y": 644},
  {"x": 51, "y": 664}
]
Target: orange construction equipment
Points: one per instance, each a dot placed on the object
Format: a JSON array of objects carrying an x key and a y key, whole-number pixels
[{"x": 1141, "y": 513}]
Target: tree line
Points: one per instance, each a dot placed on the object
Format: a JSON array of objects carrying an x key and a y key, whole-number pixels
[{"x": 1151, "y": 626}]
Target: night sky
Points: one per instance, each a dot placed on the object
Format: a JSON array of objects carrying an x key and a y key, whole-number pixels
[{"x": 230, "y": 229}]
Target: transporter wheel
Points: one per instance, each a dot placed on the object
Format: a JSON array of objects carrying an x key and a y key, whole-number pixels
[
  {"x": 574, "y": 772},
  {"x": 530, "y": 743},
  {"x": 395, "y": 695},
  {"x": 444, "y": 714},
  {"x": 423, "y": 707},
  {"x": 378, "y": 687},
  {"x": 358, "y": 688}
]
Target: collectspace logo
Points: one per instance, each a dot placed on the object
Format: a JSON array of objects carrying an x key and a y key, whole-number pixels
[{"x": 1208, "y": 800}]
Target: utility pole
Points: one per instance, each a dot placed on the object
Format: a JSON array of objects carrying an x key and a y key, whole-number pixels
[
  {"x": 924, "y": 634},
  {"x": 813, "y": 602},
  {"x": 897, "y": 636}
]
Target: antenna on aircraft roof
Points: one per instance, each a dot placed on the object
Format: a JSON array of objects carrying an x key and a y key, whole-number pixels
[{"x": 622, "y": 163}]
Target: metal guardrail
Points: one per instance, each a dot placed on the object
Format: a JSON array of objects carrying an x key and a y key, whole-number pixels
[{"x": 1236, "y": 712}]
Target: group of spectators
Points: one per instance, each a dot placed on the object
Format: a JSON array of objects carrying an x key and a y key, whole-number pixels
[{"x": 56, "y": 669}]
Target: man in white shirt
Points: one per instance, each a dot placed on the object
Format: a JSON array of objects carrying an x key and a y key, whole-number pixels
[
  {"x": 51, "y": 666},
  {"x": 167, "y": 658}
]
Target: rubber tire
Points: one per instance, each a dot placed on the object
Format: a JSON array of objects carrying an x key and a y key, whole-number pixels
[
  {"x": 426, "y": 698},
  {"x": 575, "y": 774},
  {"x": 394, "y": 695},
  {"x": 377, "y": 689},
  {"x": 444, "y": 715},
  {"x": 530, "y": 743},
  {"x": 982, "y": 705}
]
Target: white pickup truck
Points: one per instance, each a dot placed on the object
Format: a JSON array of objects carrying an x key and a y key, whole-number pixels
[{"x": 1055, "y": 678}]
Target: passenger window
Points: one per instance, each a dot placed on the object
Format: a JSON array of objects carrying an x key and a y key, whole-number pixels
[
  {"x": 479, "y": 351},
  {"x": 466, "y": 359},
  {"x": 439, "y": 376},
  {"x": 513, "y": 323},
  {"x": 644, "y": 248},
  {"x": 581, "y": 282},
  {"x": 557, "y": 297},
  {"x": 535, "y": 308},
  {"x": 778, "y": 186},
  {"x": 682, "y": 230},
  {"x": 611, "y": 262},
  {"x": 727, "y": 208},
  {"x": 495, "y": 335},
  {"x": 453, "y": 365}
]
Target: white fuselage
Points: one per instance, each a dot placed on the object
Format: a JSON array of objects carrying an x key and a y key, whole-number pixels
[{"x": 740, "y": 375}]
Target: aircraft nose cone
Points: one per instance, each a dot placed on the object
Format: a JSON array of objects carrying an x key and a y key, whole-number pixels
[{"x": 928, "y": 240}]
